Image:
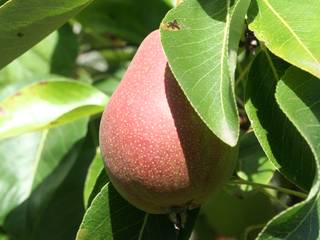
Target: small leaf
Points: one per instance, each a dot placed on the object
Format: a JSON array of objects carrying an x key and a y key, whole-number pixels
[
  {"x": 195, "y": 37},
  {"x": 25, "y": 23},
  {"x": 280, "y": 140},
  {"x": 111, "y": 217},
  {"x": 290, "y": 29},
  {"x": 254, "y": 166},
  {"x": 95, "y": 180},
  {"x": 298, "y": 96},
  {"x": 46, "y": 104}
]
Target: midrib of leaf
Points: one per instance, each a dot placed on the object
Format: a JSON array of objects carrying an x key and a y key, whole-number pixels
[
  {"x": 38, "y": 157},
  {"x": 223, "y": 56},
  {"x": 3, "y": 5},
  {"x": 290, "y": 30},
  {"x": 145, "y": 220},
  {"x": 274, "y": 71},
  {"x": 304, "y": 218}
]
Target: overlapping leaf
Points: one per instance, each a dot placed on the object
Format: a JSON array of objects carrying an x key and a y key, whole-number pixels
[
  {"x": 195, "y": 37},
  {"x": 298, "y": 96},
  {"x": 111, "y": 217},
  {"x": 290, "y": 29},
  {"x": 46, "y": 104},
  {"x": 59, "y": 216},
  {"x": 29, "y": 159},
  {"x": 280, "y": 140},
  {"x": 25, "y": 23}
]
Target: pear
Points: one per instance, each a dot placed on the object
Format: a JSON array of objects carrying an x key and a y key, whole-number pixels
[{"x": 159, "y": 154}]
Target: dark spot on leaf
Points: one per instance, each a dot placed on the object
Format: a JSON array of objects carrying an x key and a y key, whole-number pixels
[
  {"x": 173, "y": 25},
  {"x": 20, "y": 34}
]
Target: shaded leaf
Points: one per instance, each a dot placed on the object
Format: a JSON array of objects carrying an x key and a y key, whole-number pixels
[
  {"x": 254, "y": 166},
  {"x": 61, "y": 216},
  {"x": 127, "y": 19},
  {"x": 195, "y": 39},
  {"x": 290, "y": 29},
  {"x": 111, "y": 217},
  {"x": 228, "y": 204},
  {"x": 25, "y": 23},
  {"x": 63, "y": 60},
  {"x": 27, "y": 160},
  {"x": 47, "y": 104},
  {"x": 280, "y": 140},
  {"x": 298, "y": 96}
]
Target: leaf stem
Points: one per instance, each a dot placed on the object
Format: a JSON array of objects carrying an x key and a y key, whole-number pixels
[{"x": 279, "y": 189}]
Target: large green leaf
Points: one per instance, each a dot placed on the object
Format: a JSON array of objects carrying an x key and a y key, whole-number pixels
[
  {"x": 28, "y": 159},
  {"x": 298, "y": 96},
  {"x": 199, "y": 39},
  {"x": 111, "y": 217},
  {"x": 25, "y": 23},
  {"x": 47, "y": 104},
  {"x": 60, "y": 215},
  {"x": 290, "y": 29},
  {"x": 128, "y": 19},
  {"x": 280, "y": 140}
]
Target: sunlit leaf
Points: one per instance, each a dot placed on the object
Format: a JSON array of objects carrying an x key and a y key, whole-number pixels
[
  {"x": 195, "y": 37},
  {"x": 47, "y": 104},
  {"x": 290, "y": 29}
]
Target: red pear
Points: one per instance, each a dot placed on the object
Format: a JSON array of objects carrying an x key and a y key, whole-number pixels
[{"x": 158, "y": 153}]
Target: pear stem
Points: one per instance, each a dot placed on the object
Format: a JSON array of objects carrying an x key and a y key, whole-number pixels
[{"x": 279, "y": 189}]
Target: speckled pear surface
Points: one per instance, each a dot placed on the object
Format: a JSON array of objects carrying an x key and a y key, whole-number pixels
[{"x": 158, "y": 153}]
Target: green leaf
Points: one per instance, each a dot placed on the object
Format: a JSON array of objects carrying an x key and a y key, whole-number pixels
[
  {"x": 37, "y": 63},
  {"x": 290, "y": 29},
  {"x": 61, "y": 215},
  {"x": 27, "y": 160},
  {"x": 111, "y": 217},
  {"x": 195, "y": 37},
  {"x": 126, "y": 19},
  {"x": 63, "y": 59},
  {"x": 254, "y": 166},
  {"x": 298, "y": 96},
  {"x": 25, "y": 23},
  {"x": 47, "y": 104},
  {"x": 230, "y": 214},
  {"x": 95, "y": 180},
  {"x": 280, "y": 140}
]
